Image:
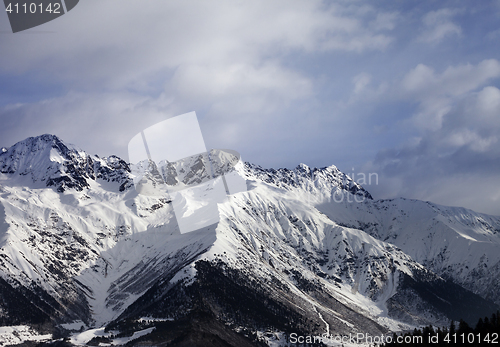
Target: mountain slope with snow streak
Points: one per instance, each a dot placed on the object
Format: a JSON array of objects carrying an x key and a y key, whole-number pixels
[{"x": 456, "y": 243}]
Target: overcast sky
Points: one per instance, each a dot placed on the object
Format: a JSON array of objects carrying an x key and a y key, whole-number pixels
[{"x": 405, "y": 89}]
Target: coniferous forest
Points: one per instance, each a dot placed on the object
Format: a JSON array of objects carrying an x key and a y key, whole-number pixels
[{"x": 486, "y": 332}]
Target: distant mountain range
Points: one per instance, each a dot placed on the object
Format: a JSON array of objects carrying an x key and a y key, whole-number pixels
[{"x": 85, "y": 259}]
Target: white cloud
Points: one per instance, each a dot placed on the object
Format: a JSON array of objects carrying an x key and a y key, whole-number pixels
[
  {"x": 438, "y": 25},
  {"x": 238, "y": 80},
  {"x": 436, "y": 93},
  {"x": 118, "y": 41},
  {"x": 454, "y": 81},
  {"x": 488, "y": 101},
  {"x": 91, "y": 121},
  {"x": 361, "y": 81},
  {"x": 467, "y": 137}
]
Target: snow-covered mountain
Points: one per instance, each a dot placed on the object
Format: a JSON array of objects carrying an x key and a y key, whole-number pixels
[{"x": 305, "y": 251}]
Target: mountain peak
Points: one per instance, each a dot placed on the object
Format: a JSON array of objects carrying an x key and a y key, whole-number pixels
[
  {"x": 324, "y": 181},
  {"x": 38, "y": 144},
  {"x": 45, "y": 138},
  {"x": 48, "y": 160},
  {"x": 35, "y": 153},
  {"x": 41, "y": 140}
]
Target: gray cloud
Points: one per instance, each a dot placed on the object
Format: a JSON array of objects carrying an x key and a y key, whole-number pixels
[
  {"x": 122, "y": 42},
  {"x": 132, "y": 65},
  {"x": 457, "y": 163}
]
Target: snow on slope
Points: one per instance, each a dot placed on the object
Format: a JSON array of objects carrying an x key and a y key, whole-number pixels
[
  {"x": 93, "y": 242},
  {"x": 81, "y": 245},
  {"x": 46, "y": 161},
  {"x": 72, "y": 225},
  {"x": 272, "y": 231},
  {"x": 454, "y": 242},
  {"x": 16, "y": 335}
]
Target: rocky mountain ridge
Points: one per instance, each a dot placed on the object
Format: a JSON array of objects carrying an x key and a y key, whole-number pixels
[
  {"x": 50, "y": 162},
  {"x": 81, "y": 249}
]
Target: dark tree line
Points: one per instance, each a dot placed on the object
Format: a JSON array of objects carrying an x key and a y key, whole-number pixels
[{"x": 486, "y": 332}]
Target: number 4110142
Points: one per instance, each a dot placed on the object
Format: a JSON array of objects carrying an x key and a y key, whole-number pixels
[{"x": 34, "y": 8}]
